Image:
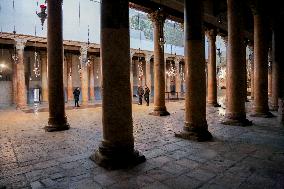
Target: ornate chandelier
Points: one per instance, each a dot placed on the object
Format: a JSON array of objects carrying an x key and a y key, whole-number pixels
[
  {"x": 42, "y": 14},
  {"x": 171, "y": 72}
]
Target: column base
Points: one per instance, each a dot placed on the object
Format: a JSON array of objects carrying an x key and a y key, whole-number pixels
[
  {"x": 117, "y": 159},
  {"x": 160, "y": 111},
  {"x": 195, "y": 134},
  {"x": 234, "y": 122},
  {"x": 263, "y": 115},
  {"x": 53, "y": 128},
  {"x": 274, "y": 108},
  {"x": 214, "y": 104}
]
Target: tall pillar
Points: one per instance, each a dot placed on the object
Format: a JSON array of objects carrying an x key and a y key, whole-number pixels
[
  {"x": 269, "y": 72},
  {"x": 117, "y": 146},
  {"x": 260, "y": 108},
  {"x": 178, "y": 77},
  {"x": 84, "y": 74},
  {"x": 57, "y": 120},
  {"x": 236, "y": 69},
  {"x": 44, "y": 78},
  {"x": 14, "y": 83},
  {"x": 69, "y": 77},
  {"x": 158, "y": 18},
  {"x": 92, "y": 80},
  {"x": 132, "y": 52},
  {"x": 148, "y": 70},
  {"x": 196, "y": 127},
  {"x": 212, "y": 77},
  {"x": 251, "y": 61},
  {"x": 98, "y": 74},
  {"x": 275, "y": 77},
  {"x": 21, "y": 86}
]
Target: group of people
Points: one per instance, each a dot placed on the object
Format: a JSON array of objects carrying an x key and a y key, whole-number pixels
[{"x": 141, "y": 92}]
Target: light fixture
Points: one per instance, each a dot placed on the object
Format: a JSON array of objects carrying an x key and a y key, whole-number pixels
[{"x": 42, "y": 14}]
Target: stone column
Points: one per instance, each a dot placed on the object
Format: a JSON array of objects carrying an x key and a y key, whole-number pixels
[
  {"x": 212, "y": 77},
  {"x": 148, "y": 70},
  {"x": 70, "y": 96},
  {"x": 236, "y": 69},
  {"x": 158, "y": 18},
  {"x": 275, "y": 78},
  {"x": 57, "y": 120},
  {"x": 260, "y": 108},
  {"x": 178, "y": 77},
  {"x": 269, "y": 72},
  {"x": 251, "y": 60},
  {"x": 98, "y": 73},
  {"x": 92, "y": 80},
  {"x": 196, "y": 127},
  {"x": 65, "y": 77},
  {"x": 117, "y": 147},
  {"x": 21, "y": 86},
  {"x": 14, "y": 82},
  {"x": 84, "y": 74},
  {"x": 132, "y": 52},
  {"x": 44, "y": 78}
]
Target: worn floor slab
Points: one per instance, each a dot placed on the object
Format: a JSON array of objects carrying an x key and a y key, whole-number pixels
[{"x": 239, "y": 157}]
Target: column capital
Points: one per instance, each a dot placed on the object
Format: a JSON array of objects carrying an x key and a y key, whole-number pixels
[
  {"x": 211, "y": 34},
  {"x": 84, "y": 49},
  {"x": 20, "y": 43},
  {"x": 148, "y": 57},
  {"x": 157, "y": 16}
]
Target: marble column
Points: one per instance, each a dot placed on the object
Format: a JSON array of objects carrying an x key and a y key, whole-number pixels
[
  {"x": 212, "y": 76},
  {"x": 236, "y": 69},
  {"x": 178, "y": 77},
  {"x": 251, "y": 60},
  {"x": 148, "y": 70},
  {"x": 98, "y": 74},
  {"x": 269, "y": 72},
  {"x": 275, "y": 77},
  {"x": 84, "y": 74},
  {"x": 158, "y": 18},
  {"x": 70, "y": 96},
  {"x": 260, "y": 108},
  {"x": 14, "y": 83},
  {"x": 92, "y": 80},
  {"x": 57, "y": 120},
  {"x": 117, "y": 147},
  {"x": 44, "y": 78},
  {"x": 196, "y": 127},
  {"x": 21, "y": 86}
]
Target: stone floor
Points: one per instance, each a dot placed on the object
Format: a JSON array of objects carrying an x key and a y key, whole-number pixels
[{"x": 238, "y": 157}]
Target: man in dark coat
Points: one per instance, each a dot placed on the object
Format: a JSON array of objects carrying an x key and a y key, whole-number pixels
[
  {"x": 147, "y": 94},
  {"x": 76, "y": 94},
  {"x": 140, "y": 93}
]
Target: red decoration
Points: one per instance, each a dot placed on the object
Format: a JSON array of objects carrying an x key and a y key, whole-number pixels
[{"x": 42, "y": 6}]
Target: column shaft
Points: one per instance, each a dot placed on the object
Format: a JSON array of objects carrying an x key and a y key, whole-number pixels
[
  {"x": 275, "y": 77},
  {"x": 117, "y": 147},
  {"x": 57, "y": 119},
  {"x": 178, "y": 77},
  {"x": 21, "y": 86},
  {"x": 212, "y": 80},
  {"x": 260, "y": 67},
  {"x": 84, "y": 74},
  {"x": 158, "y": 18},
  {"x": 148, "y": 73},
  {"x": 236, "y": 69},
  {"x": 70, "y": 96},
  {"x": 195, "y": 98},
  {"x": 92, "y": 81},
  {"x": 44, "y": 79}
]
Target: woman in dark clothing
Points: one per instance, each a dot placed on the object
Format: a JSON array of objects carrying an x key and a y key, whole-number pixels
[
  {"x": 76, "y": 94},
  {"x": 147, "y": 94}
]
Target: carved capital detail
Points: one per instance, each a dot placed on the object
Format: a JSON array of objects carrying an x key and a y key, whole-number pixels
[
  {"x": 20, "y": 43},
  {"x": 211, "y": 34},
  {"x": 158, "y": 16}
]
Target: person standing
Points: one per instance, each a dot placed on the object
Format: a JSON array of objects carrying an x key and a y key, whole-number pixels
[
  {"x": 147, "y": 94},
  {"x": 140, "y": 93},
  {"x": 76, "y": 94}
]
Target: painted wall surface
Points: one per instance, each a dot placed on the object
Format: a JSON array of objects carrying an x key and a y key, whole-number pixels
[{"x": 5, "y": 93}]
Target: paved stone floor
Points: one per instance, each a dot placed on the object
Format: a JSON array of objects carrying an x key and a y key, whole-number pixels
[{"x": 238, "y": 157}]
